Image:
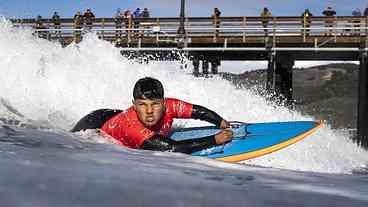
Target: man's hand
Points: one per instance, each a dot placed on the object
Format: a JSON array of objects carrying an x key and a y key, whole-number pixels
[
  {"x": 224, "y": 124},
  {"x": 224, "y": 136}
]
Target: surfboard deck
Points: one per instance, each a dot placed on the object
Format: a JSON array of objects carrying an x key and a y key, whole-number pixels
[{"x": 252, "y": 139}]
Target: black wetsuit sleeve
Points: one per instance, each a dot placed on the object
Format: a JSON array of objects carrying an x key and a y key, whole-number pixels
[
  {"x": 95, "y": 119},
  {"x": 159, "y": 143},
  {"x": 204, "y": 114}
]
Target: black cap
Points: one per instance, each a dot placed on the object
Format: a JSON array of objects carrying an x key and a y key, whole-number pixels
[{"x": 148, "y": 88}]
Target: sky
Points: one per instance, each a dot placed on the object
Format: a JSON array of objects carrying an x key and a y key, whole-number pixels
[{"x": 171, "y": 8}]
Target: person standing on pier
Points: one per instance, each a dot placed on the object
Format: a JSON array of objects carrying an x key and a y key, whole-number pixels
[
  {"x": 40, "y": 27},
  {"x": 216, "y": 20},
  {"x": 266, "y": 14},
  {"x": 306, "y": 22},
  {"x": 89, "y": 18},
  {"x": 329, "y": 19},
  {"x": 365, "y": 13},
  {"x": 356, "y": 21},
  {"x": 145, "y": 15},
  {"x": 57, "y": 24},
  {"x": 128, "y": 21},
  {"x": 136, "y": 16},
  {"x": 78, "y": 24},
  {"x": 118, "y": 22}
]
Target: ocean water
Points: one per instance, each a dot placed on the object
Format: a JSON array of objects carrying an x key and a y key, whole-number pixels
[{"x": 49, "y": 88}]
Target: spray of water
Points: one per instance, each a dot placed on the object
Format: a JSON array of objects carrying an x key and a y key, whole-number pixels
[{"x": 46, "y": 83}]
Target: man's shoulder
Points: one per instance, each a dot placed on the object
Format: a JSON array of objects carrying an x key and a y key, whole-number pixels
[
  {"x": 179, "y": 107},
  {"x": 173, "y": 100},
  {"x": 127, "y": 113}
]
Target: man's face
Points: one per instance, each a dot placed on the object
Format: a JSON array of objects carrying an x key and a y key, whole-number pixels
[{"x": 149, "y": 111}]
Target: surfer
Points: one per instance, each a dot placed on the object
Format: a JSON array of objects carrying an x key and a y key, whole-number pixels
[{"x": 147, "y": 124}]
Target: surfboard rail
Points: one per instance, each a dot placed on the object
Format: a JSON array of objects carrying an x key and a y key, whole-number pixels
[{"x": 264, "y": 151}]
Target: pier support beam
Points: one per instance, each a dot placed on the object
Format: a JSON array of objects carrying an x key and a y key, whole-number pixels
[
  {"x": 271, "y": 57},
  {"x": 205, "y": 66},
  {"x": 207, "y": 60},
  {"x": 214, "y": 67},
  {"x": 270, "y": 85},
  {"x": 196, "y": 66},
  {"x": 215, "y": 62},
  {"x": 362, "y": 134},
  {"x": 284, "y": 78}
]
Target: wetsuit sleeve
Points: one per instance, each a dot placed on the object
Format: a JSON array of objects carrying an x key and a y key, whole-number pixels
[
  {"x": 204, "y": 114},
  {"x": 95, "y": 119},
  {"x": 159, "y": 143}
]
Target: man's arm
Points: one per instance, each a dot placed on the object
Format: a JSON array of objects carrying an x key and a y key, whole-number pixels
[
  {"x": 160, "y": 143},
  {"x": 204, "y": 114}
]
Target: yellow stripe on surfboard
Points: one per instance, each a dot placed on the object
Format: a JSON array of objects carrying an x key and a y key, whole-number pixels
[{"x": 257, "y": 153}]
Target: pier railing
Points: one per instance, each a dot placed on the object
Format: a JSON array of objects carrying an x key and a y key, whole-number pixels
[{"x": 207, "y": 30}]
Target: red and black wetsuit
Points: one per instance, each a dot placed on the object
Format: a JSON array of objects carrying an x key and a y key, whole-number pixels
[{"x": 127, "y": 130}]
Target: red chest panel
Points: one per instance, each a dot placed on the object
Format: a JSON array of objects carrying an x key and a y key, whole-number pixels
[{"x": 129, "y": 131}]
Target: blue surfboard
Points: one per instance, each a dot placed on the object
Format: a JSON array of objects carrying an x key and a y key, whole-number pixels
[{"x": 251, "y": 139}]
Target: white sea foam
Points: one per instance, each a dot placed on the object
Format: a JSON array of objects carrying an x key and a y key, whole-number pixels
[{"x": 45, "y": 82}]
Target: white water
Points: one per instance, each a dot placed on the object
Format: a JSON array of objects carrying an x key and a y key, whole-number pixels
[{"x": 57, "y": 86}]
